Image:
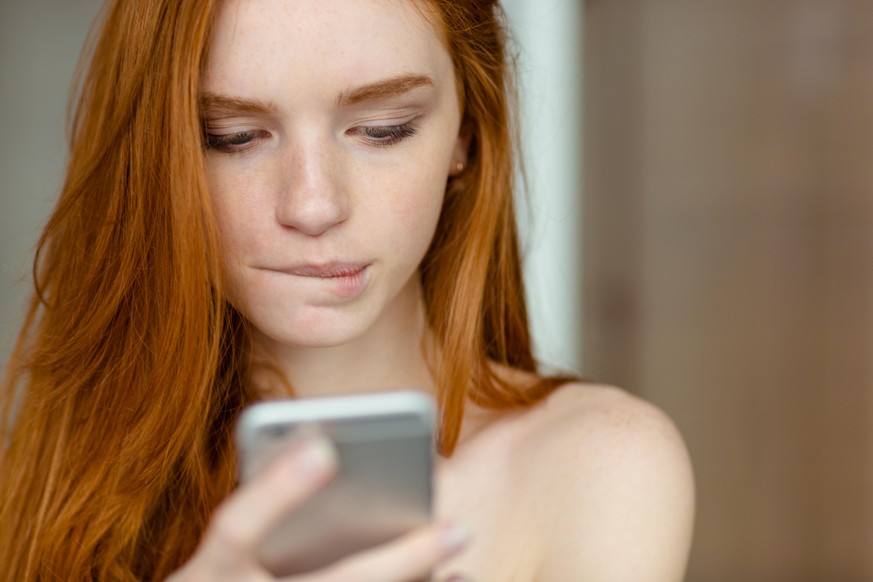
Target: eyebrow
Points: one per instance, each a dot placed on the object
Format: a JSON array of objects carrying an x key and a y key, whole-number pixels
[
  {"x": 214, "y": 103},
  {"x": 384, "y": 89},
  {"x": 393, "y": 87}
]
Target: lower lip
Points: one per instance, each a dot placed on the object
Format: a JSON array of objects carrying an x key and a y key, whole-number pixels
[{"x": 350, "y": 285}]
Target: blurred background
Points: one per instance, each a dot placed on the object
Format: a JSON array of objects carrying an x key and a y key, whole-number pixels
[
  {"x": 698, "y": 227},
  {"x": 728, "y": 263}
]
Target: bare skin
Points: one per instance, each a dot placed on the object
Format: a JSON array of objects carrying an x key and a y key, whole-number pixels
[{"x": 592, "y": 484}]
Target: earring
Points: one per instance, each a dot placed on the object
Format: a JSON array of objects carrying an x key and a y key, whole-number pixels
[{"x": 460, "y": 167}]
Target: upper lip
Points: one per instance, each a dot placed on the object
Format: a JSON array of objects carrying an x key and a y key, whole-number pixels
[{"x": 324, "y": 270}]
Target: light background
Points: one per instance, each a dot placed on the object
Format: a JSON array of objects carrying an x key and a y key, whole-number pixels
[{"x": 39, "y": 47}]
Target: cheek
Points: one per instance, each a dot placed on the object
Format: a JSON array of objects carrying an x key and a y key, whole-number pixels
[
  {"x": 417, "y": 208},
  {"x": 235, "y": 222},
  {"x": 425, "y": 182},
  {"x": 227, "y": 220},
  {"x": 235, "y": 209},
  {"x": 420, "y": 207}
]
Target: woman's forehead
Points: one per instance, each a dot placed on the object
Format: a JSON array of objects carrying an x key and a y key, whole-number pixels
[{"x": 321, "y": 41}]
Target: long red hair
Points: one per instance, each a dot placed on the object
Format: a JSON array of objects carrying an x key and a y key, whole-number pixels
[{"x": 131, "y": 368}]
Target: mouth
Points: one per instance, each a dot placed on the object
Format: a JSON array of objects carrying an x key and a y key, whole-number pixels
[
  {"x": 328, "y": 271},
  {"x": 346, "y": 280}
]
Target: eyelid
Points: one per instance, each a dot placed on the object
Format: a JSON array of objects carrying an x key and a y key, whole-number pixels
[
  {"x": 387, "y": 122},
  {"x": 389, "y": 134},
  {"x": 230, "y": 124},
  {"x": 235, "y": 122},
  {"x": 224, "y": 142},
  {"x": 388, "y": 113},
  {"x": 388, "y": 118}
]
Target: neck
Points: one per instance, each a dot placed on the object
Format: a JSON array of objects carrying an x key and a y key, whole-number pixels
[{"x": 389, "y": 356}]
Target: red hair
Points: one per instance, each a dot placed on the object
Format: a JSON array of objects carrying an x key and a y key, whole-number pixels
[{"x": 131, "y": 368}]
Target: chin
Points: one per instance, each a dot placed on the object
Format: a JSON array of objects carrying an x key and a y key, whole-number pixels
[
  {"x": 314, "y": 334},
  {"x": 325, "y": 340}
]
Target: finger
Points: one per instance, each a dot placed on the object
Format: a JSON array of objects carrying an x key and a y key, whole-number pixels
[
  {"x": 411, "y": 557},
  {"x": 257, "y": 507}
]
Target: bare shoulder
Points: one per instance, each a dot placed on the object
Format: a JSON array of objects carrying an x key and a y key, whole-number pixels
[
  {"x": 604, "y": 421},
  {"x": 622, "y": 482}
]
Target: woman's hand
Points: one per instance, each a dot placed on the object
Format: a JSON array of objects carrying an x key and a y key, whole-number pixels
[{"x": 228, "y": 551}]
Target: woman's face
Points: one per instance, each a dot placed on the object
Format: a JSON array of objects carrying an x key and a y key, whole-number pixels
[{"x": 332, "y": 127}]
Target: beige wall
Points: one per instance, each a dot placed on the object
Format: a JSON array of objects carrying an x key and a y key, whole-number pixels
[{"x": 729, "y": 264}]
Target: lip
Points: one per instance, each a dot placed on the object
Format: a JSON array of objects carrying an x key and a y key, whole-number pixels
[
  {"x": 344, "y": 280},
  {"x": 325, "y": 271}
]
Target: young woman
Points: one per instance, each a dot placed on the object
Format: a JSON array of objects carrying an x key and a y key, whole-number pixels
[{"x": 273, "y": 198}]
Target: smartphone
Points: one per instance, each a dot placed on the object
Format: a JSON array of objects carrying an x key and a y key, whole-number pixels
[{"x": 384, "y": 484}]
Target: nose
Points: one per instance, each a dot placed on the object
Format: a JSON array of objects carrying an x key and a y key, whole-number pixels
[{"x": 312, "y": 198}]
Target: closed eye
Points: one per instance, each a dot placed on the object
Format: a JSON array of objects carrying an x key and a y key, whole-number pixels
[
  {"x": 232, "y": 142},
  {"x": 385, "y": 135}
]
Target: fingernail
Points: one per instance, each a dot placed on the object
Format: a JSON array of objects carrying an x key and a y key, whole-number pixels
[
  {"x": 455, "y": 537},
  {"x": 317, "y": 458}
]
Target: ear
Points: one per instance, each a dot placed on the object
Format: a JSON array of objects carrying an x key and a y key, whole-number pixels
[{"x": 461, "y": 152}]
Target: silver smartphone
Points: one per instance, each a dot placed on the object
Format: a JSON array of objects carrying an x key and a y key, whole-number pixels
[{"x": 384, "y": 484}]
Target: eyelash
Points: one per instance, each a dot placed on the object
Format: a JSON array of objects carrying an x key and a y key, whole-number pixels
[
  {"x": 378, "y": 136},
  {"x": 231, "y": 142},
  {"x": 388, "y": 135}
]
